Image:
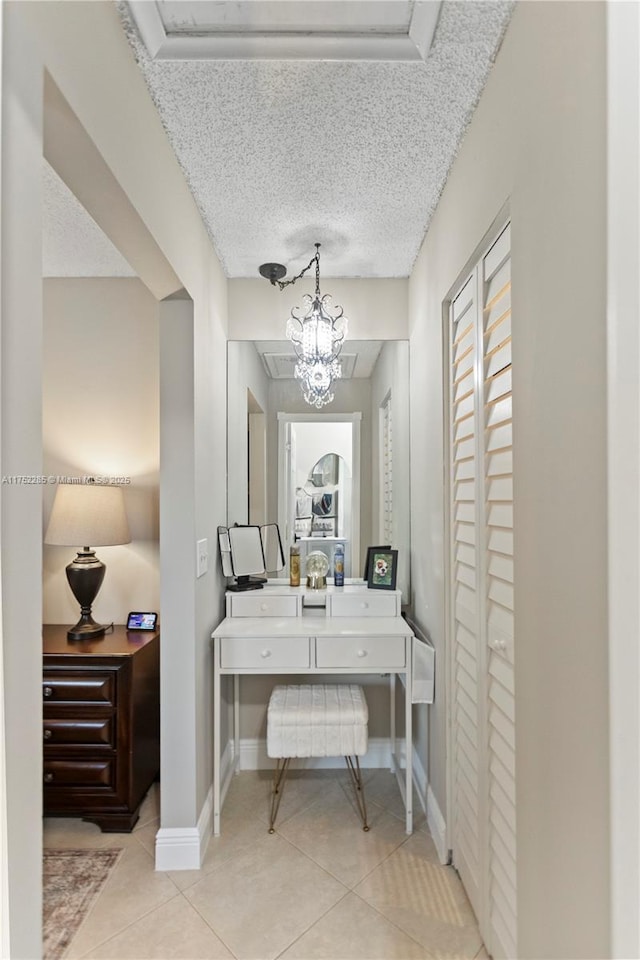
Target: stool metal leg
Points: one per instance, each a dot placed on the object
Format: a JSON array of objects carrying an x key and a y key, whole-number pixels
[
  {"x": 358, "y": 788},
  {"x": 279, "y": 777}
]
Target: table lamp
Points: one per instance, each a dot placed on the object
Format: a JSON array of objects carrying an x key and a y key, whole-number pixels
[{"x": 87, "y": 513}]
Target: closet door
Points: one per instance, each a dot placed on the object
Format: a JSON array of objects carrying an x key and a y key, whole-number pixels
[
  {"x": 465, "y": 586},
  {"x": 482, "y": 636},
  {"x": 498, "y": 590}
]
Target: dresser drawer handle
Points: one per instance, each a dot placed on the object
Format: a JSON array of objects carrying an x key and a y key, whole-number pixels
[
  {"x": 48, "y": 777},
  {"x": 48, "y": 734},
  {"x": 265, "y": 654},
  {"x": 48, "y": 692},
  {"x": 263, "y": 606},
  {"x": 364, "y": 605},
  {"x": 362, "y": 653}
]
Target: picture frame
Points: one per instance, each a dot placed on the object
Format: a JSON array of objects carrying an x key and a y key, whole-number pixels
[
  {"x": 323, "y": 527},
  {"x": 302, "y": 526},
  {"x": 383, "y": 569},
  {"x": 370, "y": 552}
]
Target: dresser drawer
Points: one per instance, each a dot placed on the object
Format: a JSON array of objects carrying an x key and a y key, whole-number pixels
[
  {"x": 79, "y": 773},
  {"x": 259, "y": 605},
  {"x": 254, "y": 652},
  {"x": 384, "y": 652},
  {"x": 95, "y": 733},
  {"x": 75, "y": 688},
  {"x": 371, "y": 604}
]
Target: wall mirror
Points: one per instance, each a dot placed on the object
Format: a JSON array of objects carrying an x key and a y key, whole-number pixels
[{"x": 338, "y": 475}]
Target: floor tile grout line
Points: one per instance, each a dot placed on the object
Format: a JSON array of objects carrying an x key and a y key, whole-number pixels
[
  {"x": 213, "y": 929},
  {"x": 112, "y": 936},
  {"x": 428, "y": 953},
  {"x": 310, "y": 928},
  {"x": 97, "y": 901},
  {"x": 346, "y": 893},
  {"x": 332, "y": 875}
]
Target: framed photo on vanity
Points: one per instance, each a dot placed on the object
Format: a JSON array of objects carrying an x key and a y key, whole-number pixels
[
  {"x": 370, "y": 552},
  {"x": 383, "y": 569}
]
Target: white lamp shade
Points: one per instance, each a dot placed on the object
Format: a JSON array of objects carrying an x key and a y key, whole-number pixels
[{"x": 88, "y": 515}]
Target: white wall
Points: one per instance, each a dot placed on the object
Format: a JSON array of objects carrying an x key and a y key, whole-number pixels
[
  {"x": 21, "y": 454},
  {"x": 392, "y": 373},
  {"x": 537, "y": 139},
  {"x": 105, "y": 331},
  {"x": 623, "y": 358},
  {"x": 104, "y": 88}
]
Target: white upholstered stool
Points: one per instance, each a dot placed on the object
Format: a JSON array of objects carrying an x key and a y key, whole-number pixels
[{"x": 317, "y": 720}]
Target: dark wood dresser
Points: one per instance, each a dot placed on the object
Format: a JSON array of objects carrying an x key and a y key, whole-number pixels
[{"x": 101, "y": 725}]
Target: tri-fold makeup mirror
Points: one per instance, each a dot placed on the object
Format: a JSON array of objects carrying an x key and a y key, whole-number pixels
[{"x": 249, "y": 552}]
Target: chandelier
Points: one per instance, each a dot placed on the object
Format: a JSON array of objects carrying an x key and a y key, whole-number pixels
[{"x": 316, "y": 337}]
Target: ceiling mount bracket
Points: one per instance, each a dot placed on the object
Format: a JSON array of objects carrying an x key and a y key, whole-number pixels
[{"x": 272, "y": 272}]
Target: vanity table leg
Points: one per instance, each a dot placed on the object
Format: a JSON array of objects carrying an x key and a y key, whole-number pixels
[
  {"x": 236, "y": 722},
  {"x": 392, "y": 719},
  {"x": 217, "y": 713},
  {"x": 408, "y": 714}
]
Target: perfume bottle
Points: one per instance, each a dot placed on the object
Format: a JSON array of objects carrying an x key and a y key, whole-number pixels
[
  {"x": 294, "y": 567},
  {"x": 338, "y": 566}
]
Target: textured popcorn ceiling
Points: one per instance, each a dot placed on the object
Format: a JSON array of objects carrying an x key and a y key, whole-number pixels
[
  {"x": 354, "y": 155},
  {"x": 73, "y": 245}
]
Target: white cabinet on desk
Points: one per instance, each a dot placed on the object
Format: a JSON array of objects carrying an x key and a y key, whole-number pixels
[{"x": 371, "y": 639}]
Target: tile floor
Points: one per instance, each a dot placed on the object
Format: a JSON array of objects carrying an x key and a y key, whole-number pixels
[{"x": 318, "y": 888}]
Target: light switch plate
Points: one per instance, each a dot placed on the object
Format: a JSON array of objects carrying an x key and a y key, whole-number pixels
[{"x": 202, "y": 557}]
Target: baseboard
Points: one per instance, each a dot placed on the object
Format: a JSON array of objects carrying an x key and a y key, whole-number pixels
[
  {"x": 253, "y": 756},
  {"x": 183, "y": 848},
  {"x": 420, "y": 781},
  {"x": 437, "y": 826},
  {"x": 178, "y": 848}
]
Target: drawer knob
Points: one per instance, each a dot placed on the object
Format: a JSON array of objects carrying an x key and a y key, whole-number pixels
[
  {"x": 48, "y": 777},
  {"x": 48, "y": 734},
  {"x": 362, "y": 653},
  {"x": 364, "y": 604},
  {"x": 48, "y": 692},
  {"x": 263, "y": 606},
  {"x": 265, "y": 654}
]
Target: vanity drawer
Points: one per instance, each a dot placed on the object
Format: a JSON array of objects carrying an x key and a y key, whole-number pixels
[
  {"x": 371, "y": 604},
  {"x": 257, "y": 605},
  {"x": 384, "y": 652},
  {"x": 270, "y": 652}
]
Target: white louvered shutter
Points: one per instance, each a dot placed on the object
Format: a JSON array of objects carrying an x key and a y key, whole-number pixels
[
  {"x": 387, "y": 470},
  {"x": 464, "y": 588},
  {"x": 498, "y": 438},
  {"x": 481, "y": 525}
]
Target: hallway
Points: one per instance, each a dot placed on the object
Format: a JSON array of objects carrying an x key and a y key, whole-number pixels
[{"x": 319, "y": 888}]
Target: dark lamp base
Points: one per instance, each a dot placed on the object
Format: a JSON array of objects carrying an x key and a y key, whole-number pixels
[
  {"x": 85, "y": 575},
  {"x": 86, "y": 629}
]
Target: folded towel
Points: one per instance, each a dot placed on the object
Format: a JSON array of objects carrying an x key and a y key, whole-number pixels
[{"x": 423, "y": 661}]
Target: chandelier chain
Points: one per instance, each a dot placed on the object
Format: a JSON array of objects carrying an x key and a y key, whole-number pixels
[{"x": 316, "y": 259}]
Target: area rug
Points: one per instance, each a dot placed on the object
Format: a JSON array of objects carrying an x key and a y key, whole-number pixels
[{"x": 72, "y": 879}]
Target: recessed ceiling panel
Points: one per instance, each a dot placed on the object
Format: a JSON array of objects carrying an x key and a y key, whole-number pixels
[
  {"x": 285, "y": 16},
  {"x": 286, "y": 29},
  {"x": 281, "y": 154}
]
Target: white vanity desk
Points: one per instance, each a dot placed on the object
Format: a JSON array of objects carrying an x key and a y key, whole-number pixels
[{"x": 340, "y": 630}]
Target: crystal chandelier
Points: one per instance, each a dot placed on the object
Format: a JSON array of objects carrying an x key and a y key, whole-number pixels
[{"x": 317, "y": 336}]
